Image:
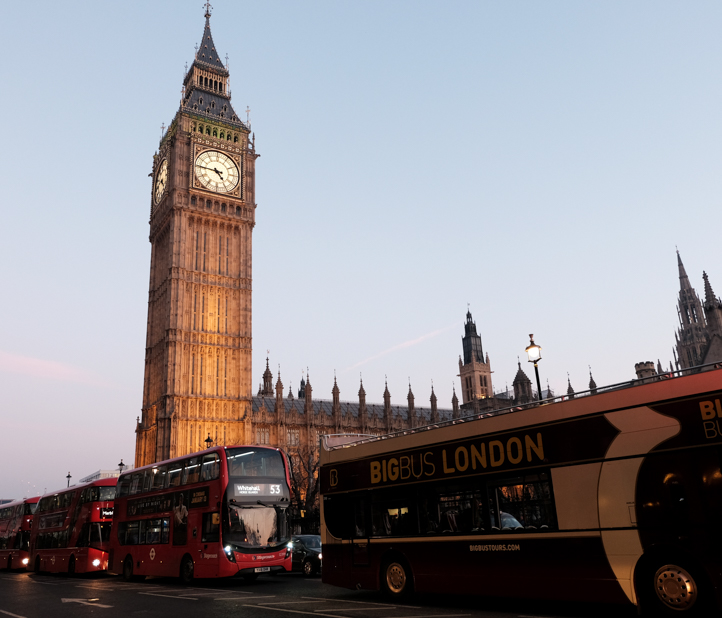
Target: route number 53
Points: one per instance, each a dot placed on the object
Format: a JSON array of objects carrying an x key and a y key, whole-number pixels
[{"x": 275, "y": 489}]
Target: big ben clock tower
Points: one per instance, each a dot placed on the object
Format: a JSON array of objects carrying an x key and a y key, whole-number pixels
[{"x": 198, "y": 346}]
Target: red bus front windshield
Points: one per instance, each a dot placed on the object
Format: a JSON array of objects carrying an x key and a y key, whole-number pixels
[{"x": 256, "y": 500}]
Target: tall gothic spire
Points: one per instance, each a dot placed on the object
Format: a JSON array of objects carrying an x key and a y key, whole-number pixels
[
  {"x": 684, "y": 283},
  {"x": 207, "y": 53}
]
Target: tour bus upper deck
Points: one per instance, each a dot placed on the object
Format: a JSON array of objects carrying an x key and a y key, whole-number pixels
[
  {"x": 593, "y": 492},
  {"x": 15, "y": 522}
]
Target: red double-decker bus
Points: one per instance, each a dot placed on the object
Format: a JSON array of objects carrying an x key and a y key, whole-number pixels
[
  {"x": 71, "y": 529},
  {"x": 217, "y": 513},
  {"x": 16, "y": 519}
]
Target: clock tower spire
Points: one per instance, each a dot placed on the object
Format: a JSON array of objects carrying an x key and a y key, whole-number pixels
[{"x": 198, "y": 344}]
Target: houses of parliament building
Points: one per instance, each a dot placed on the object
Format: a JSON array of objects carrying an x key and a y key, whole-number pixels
[{"x": 197, "y": 385}]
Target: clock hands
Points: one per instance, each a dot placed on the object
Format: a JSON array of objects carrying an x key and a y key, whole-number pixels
[{"x": 213, "y": 169}]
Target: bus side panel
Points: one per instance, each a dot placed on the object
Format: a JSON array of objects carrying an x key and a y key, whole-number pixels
[{"x": 502, "y": 566}]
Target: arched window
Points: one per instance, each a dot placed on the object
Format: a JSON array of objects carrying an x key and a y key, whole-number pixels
[
  {"x": 238, "y": 210},
  {"x": 208, "y": 130},
  {"x": 223, "y": 135},
  {"x": 208, "y": 203},
  {"x": 200, "y": 128},
  {"x": 235, "y": 138},
  {"x": 215, "y": 132},
  {"x": 223, "y": 208},
  {"x": 193, "y": 200},
  {"x": 206, "y": 81},
  {"x": 215, "y": 85},
  {"x": 220, "y": 86},
  {"x": 200, "y": 80},
  {"x": 229, "y": 137}
]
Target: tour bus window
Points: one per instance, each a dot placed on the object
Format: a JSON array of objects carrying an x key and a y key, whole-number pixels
[
  {"x": 335, "y": 516},
  {"x": 90, "y": 494},
  {"x": 123, "y": 486},
  {"x": 160, "y": 475},
  {"x": 106, "y": 494},
  {"x": 255, "y": 462},
  {"x": 192, "y": 472},
  {"x": 360, "y": 518},
  {"x": 148, "y": 479},
  {"x": 522, "y": 502},
  {"x": 211, "y": 466},
  {"x": 66, "y": 499},
  {"x": 152, "y": 531},
  {"x": 175, "y": 471},
  {"x": 136, "y": 483},
  {"x": 30, "y": 508},
  {"x": 392, "y": 515},
  {"x": 211, "y": 528}
]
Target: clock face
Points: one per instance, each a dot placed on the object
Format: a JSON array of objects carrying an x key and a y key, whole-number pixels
[
  {"x": 161, "y": 179},
  {"x": 216, "y": 171}
]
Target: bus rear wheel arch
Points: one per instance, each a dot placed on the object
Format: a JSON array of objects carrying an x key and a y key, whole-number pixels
[
  {"x": 186, "y": 570},
  {"x": 396, "y": 577}
]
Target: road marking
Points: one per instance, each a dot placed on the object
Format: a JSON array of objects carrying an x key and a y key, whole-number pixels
[
  {"x": 273, "y": 596},
  {"x": 169, "y": 596},
  {"x": 361, "y": 602},
  {"x": 91, "y": 602},
  {"x": 354, "y": 609},
  {"x": 290, "y": 611},
  {"x": 289, "y": 602},
  {"x": 2, "y": 611}
]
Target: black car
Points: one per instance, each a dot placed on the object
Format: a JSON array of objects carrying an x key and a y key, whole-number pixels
[{"x": 306, "y": 553}]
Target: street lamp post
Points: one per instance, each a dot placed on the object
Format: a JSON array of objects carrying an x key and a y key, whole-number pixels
[
  {"x": 121, "y": 465},
  {"x": 534, "y": 353},
  {"x": 209, "y": 441},
  {"x": 68, "y": 477}
]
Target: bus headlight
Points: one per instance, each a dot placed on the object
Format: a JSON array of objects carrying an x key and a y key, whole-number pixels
[
  {"x": 320, "y": 556},
  {"x": 229, "y": 553},
  {"x": 96, "y": 563},
  {"x": 25, "y": 561}
]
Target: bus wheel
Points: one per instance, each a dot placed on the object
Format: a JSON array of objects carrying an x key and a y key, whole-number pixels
[
  {"x": 71, "y": 565},
  {"x": 128, "y": 569},
  {"x": 396, "y": 578},
  {"x": 186, "y": 570},
  {"x": 676, "y": 591}
]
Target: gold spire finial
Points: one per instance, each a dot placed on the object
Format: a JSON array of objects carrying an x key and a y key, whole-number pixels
[{"x": 208, "y": 8}]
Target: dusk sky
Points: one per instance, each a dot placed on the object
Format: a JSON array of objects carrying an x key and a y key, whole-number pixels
[{"x": 538, "y": 161}]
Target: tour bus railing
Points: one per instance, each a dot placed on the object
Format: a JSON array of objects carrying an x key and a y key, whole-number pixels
[{"x": 335, "y": 441}]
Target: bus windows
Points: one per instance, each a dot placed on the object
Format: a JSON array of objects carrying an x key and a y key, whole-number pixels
[
  {"x": 334, "y": 515},
  {"x": 147, "y": 480},
  {"x": 192, "y": 472},
  {"x": 211, "y": 528},
  {"x": 522, "y": 502},
  {"x": 123, "y": 487},
  {"x": 106, "y": 494},
  {"x": 261, "y": 462},
  {"x": 159, "y": 477},
  {"x": 174, "y": 474},
  {"x": 392, "y": 516},
  {"x": 30, "y": 508},
  {"x": 456, "y": 509},
  {"x": 211, "y": 466},
  {"x": 360, "y": 519},
  {"x": 136, "y": 483}
]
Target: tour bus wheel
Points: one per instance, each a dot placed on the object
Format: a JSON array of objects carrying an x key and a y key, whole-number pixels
[
  {"x": 308, "y": 568},
  {"x": 674, "y": 588},
  {"x": 250, "y": 577},
  {"x": 128, "y": 569},
  {"x": 186, "y": 570},
  {"x": 36, "y": 567},
  {"x": 396, "y": 578},
  {"x": 71, "y": 565}
]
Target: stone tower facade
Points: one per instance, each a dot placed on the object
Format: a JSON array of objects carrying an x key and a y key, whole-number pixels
[
  {"x": 475, "y": 370},
  {"x": 692, "y": 338},
  {"x": 198, "y": 348}
]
